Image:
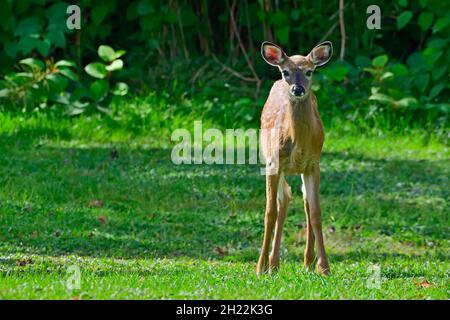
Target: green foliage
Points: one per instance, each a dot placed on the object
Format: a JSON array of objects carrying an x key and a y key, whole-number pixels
[
  {"x": 100, "y": 89},
  {"x": 172, "y": 45},
  {"x": 37, "y": 83},
  {"x": 42, "y": 85}
]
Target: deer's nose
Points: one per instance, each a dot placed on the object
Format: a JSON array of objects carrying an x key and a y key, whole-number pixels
[{"x": 298, "y": 90}]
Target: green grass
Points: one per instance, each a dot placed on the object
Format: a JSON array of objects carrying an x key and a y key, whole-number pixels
[{"x": 138, "y": 226}]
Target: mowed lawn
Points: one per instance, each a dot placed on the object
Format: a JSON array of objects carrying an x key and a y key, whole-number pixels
[{"x": 139, "y": 227}]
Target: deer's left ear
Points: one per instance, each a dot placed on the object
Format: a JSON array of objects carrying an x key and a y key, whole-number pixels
[
  {"x": 321, "y": 53},
  {"x": 272, "y": 53}
]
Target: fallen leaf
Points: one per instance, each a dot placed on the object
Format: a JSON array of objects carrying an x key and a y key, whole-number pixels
[
  {"x": 102, "y": 219},
  {"x": 423, "y": 283}
]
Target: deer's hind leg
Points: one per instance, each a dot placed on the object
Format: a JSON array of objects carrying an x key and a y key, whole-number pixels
[
  {"x": 284, "y": 196},
  {"x": 309, "y": 255}
]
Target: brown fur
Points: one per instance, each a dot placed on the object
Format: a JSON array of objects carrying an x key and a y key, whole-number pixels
[{"x": 299, "y": 145}]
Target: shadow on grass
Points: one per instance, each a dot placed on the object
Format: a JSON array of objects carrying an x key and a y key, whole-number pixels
[{"x": 124, "y": 202}]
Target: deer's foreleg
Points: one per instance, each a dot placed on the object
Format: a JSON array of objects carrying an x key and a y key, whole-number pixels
[
  {"x": 309, "y": 248},
  {"x": 311, "y": 184},
  {"x": 284, "y": 196},
  {"x": 269, "y": 221}
]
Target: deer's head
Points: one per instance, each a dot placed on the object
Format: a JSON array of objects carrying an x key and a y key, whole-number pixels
[{"x": 297, "y": 70}]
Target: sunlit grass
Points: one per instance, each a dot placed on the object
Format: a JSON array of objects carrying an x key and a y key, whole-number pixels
[{"x": 94, "y": 194}]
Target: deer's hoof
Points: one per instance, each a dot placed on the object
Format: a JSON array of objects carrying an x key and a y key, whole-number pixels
[
  {"x": 263, "y": 266},
  {"x": 308, "y": 261},
  {"x": 274, "y": 264},
  {"x": 323, "y": 269}
]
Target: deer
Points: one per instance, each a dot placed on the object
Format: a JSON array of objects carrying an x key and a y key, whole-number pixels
[{"x": 291, "y": 111}]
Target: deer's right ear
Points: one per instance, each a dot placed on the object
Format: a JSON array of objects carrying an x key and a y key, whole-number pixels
[{"x": 272, "y": 53}]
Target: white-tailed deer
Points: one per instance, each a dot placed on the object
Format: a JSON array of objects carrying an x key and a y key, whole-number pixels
[{"x": 291, "y": 110}]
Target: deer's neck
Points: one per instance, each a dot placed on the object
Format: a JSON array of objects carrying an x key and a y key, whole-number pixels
[{"x": 302, "y": 118}]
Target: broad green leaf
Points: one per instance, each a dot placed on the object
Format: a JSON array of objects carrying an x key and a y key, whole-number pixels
[
  {"x": 99, "y": 13},
  {"x": 386, "y": 75},
  {"x": 57, "y": 38},
  {"x": 436, "y": 90},
  {"x": 57, "y": 83},
  {"x": 399, "y": 69},
  {"x": 27, "y": 44},
  {"x": 119, "y": 53},
  {"x": 440, "y": 24},
  {"x": 65, "y": 63},
  {"x": 120, "y": 89},
  {"x": 381, "y": 97},
  {"x": 425, "y": 20},
  {"x": 106, "y": 53},
  {"x": 403, "y": 19},
  {"x": 336, "y": 71},
  {"x": 34, "y": 64},
  {"x": 96, "y": 70},
  {"x": 99, "y": 90},
  {"x": 29, "y": 26},
  {"x": 406, "y": 102},
  {"x": 362, "y": 61},
  {"x": 43, "y": 46},
  {"x": 115, "y": 65},
  {"x": 19, "y": 77},
  {"x": 403, "y": 3},
  {"x": 437, "y": 43},
  {"x": 4, "y": 93},
  {"x": 78, "y": 93},
  {"x": 439, "y": 71},
  {"x": 69, "y": 74},
  {"x": 56, "y": 15},
  {"x": 380, "y": 61},
  {"x": 432, "y": 54},
  {"x": 61, "y": 97},
  {"x": 76, "y": 108},
  {"x": 417, "y": 62}
]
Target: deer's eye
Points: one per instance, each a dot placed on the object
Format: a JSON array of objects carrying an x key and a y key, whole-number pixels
[
  {"x": 309, "y": 73},
  {"x": 285, "y": 73}
]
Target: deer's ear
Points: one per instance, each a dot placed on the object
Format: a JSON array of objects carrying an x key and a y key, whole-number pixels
[
  {"x": 321, "y": 53},
  {"x": 272, "y": 53}
]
